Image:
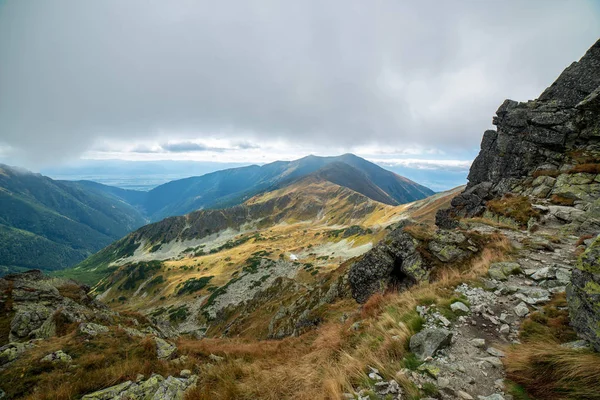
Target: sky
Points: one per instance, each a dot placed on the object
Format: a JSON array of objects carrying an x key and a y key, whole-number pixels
[{"x": 406, "y": 84}]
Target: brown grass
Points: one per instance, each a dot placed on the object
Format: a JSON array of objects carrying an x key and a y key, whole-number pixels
[
  {"x": 551, "y": 372},
  {"x": 419, "y": 231},
  {"x": 517, "y": 208},
  {"x": 101, "y": 362},
  {"x": 590, "y": 168},
  {"x": 72, "y": 291},
  {"x": 544, "y": 368},
  {"x": 562, "y": 200},
  {"x": 546, "y": 172},
  {"x": 582, "y": 239}
]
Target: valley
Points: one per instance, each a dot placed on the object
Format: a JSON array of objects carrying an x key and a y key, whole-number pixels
[{"x": 320, "y": 277}]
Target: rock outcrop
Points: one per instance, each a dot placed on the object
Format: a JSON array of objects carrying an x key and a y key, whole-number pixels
[
  {"x": 39, "y": 305},
  {"x": 394, "y": 261},
  {"x": 583, "y": 295},
  {"x": 548, "y": 148},
  {"x": 154, "y": 388}
]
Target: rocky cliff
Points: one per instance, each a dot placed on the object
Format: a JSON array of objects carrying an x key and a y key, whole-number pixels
[
  {"x": 584, "y": 295},
  {"x": 547, "y": 148}
]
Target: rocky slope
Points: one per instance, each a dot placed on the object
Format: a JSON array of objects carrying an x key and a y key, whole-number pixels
[
  {"x": 267, "y": 268},
  {"x": 55, "y": 325}
]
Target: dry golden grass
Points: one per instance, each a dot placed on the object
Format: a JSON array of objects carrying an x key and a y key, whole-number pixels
[
  {"x": 582, "y": 239},
  {"x": 549, "y": 371}
]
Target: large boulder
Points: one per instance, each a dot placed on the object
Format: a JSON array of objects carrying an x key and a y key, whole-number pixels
[
  {"x": 427, "y": 342},
  {"x": 583, "y": 295},
  {"x": 393, "y": 261}
]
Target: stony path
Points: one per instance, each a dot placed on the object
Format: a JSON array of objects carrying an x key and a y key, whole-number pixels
[
  {"x": 463, "y": 358},
  {"x": 471, "y": 367}
]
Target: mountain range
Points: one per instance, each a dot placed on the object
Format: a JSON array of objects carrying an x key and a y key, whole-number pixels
[{"x": 52, "y": 224}]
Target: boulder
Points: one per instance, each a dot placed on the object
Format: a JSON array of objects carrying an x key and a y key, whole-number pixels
[
  {"x": 57, "y": 357},
  {"x": 502, "y": 270},
  {"x": 521, "y": 309},
  {"x": 393, "y": 261},
  {"x": 425, "y": 343},
  {"x": 445, "y": 246},
  {"x": 583, "y": 295},
  {"x": 91, "y": 329},
  {"x": 164, "y": 349},
  {"x": 459, "y": 306},
  {"x": 12, "y": 351}
]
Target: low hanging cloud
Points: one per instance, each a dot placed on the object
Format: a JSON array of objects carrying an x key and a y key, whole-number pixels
[
  {"x": 335, "y": 74},
  {"x": 186, "y": 147}
]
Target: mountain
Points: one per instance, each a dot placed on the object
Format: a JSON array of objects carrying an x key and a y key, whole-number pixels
[
  {"x": 233, "y": 186},
  {"x": 51, "y": 224}
]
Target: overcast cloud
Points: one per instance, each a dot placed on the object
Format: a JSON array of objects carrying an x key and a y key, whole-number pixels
[{"x": 236, "y": 80}]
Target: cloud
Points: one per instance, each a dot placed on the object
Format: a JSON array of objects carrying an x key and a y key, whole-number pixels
[
  {"x": 186, "y": 147},
  {"x": 448, "y": 165},
  {"x": 324, "y": 75}
]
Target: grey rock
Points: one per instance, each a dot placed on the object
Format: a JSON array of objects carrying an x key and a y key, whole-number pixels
[
  {"x": 478, "y": 342},
  {"x": 464, "y": 395},
  {"x": 395, "y": 260},
  {"x": 502, "y": 270},
  {"x": 164, "y": 349},
  {"x": 577, "y": 345},
  {"x": 154, "y": 388},
  {"x": 583, "y": 295},
  {"x": 185, "y": 373},
  {"x": 425, "y": 343},
  {"x": 459, "y": 306},
  {"x": 216, "y": 358},
  {"x": 495, "y": 352},
  {"x": 494, "y": 396},
  {"x": 521, "y": 309},
  {"x": 57, "y": 357},
  {"x": 92, "y": 329}
]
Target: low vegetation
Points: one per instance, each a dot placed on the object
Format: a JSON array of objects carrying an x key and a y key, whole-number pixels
[
  {"x": 193, "y": 285},
  {"x": 517, "y": 208},
  {"x": 545, "y": 369}
]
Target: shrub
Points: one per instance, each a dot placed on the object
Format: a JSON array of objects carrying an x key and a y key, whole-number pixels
[
  {"x": 194, "y": 285},
  {"x": 517, "y": 208}
]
